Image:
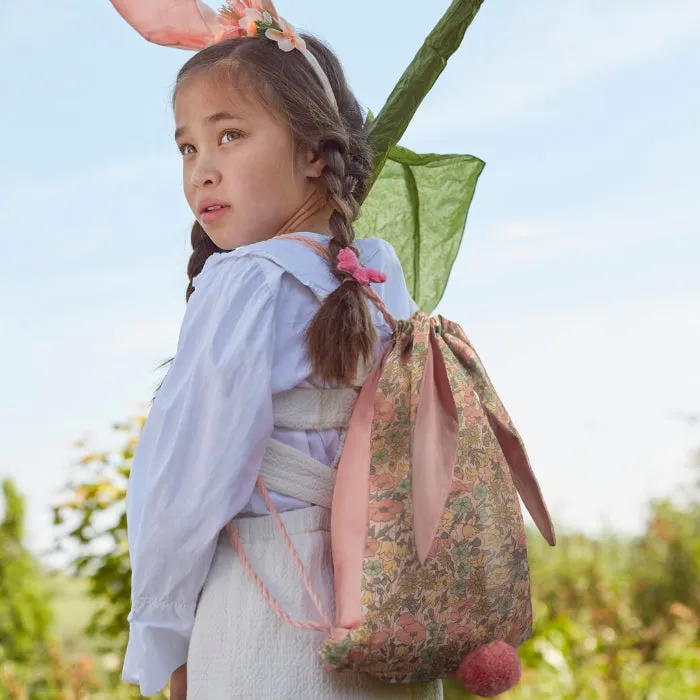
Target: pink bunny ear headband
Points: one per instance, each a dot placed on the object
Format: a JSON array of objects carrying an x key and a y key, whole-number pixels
[{"x": 192, "y": 24}]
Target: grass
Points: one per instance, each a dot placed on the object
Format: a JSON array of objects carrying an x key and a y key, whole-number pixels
[{"x": 73, "y": 608}]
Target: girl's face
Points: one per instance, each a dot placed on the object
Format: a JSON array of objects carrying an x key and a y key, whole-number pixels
[{"x": 237, "y": 154}]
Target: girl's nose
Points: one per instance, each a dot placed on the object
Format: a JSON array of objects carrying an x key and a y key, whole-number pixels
[{"x": 204, "y": 174}]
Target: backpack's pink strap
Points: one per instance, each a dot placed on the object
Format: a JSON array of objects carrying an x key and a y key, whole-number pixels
[
  {"x": 323, "y": 251},
  {"x": 435, "y": 436},
  {"x": 248, "y": 567},
  {"x": 390, "y": 320},
  {"x": 350, "y": 506},
  {"x": 309, "y": 243}
]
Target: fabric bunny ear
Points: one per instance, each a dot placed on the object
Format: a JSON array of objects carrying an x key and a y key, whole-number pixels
[
  {"x": 192, "y": 24},
  {"x": 184, "y": 24}
]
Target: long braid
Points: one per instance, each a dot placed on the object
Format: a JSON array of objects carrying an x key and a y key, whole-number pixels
[
  {"x": 340, "y": 186},
  {"x": 342, "y": 333},
  {"x": 202, "y": 248}
]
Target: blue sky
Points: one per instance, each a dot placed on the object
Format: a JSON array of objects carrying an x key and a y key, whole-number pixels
[{"x": 577, "y": 280}]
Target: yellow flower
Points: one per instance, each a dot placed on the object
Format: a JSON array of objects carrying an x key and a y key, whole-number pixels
[
  {"x": 389, "y": 567},
  {"x": 362, "y": 635},
  {"x": 443, "y": 582},
  {"x": 468, "y": 531},
  {"x": 400, "y": 651},
  {"x": 367, "y": 598},
  {"x": 443, "y": 615},
  {"x": 446, "y": 518},
  {"x": 371, "y": 615},
  {"x": 430, "y": 598},
  {"x": 386, "y": 550},
  {"x": 402, "y": 469}
]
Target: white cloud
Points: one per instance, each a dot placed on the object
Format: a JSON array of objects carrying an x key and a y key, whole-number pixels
[
  {"x": 560, "y": 45},
  {"x": 513, "y": 242}
]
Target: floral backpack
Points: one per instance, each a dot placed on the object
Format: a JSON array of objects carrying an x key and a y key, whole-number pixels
[{"x": 430, "y": 563}]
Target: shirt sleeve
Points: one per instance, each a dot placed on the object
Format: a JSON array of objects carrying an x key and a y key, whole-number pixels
[
  {"x": 405, "y": 304},
  {"x": 197, "y": 460}
]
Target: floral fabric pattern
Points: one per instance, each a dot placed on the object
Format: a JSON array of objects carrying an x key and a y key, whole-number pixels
[{"x": 420, "y": 621}]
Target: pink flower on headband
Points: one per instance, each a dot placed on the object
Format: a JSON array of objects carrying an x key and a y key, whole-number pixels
[
  {"x": 348, "y": 262},
  {"x": 243, "y": 16},
  {"x": 249, "y": 22},
  {"x": 255, "y": 17},
  {"x": 286, "y": 39}
]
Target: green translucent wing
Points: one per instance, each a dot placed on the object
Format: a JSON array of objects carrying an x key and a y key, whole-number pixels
[
  {"x": 419, "y": 203},
  {"x": 415, "y": 83}
]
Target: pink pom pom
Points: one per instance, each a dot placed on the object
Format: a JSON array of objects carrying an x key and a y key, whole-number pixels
[{"x": 490, "y": 670}]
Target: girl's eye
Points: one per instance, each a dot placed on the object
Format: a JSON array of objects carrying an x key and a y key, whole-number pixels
[{"x": 235, "y": 135}]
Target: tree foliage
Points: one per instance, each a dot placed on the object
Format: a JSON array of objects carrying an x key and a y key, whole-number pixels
[
  {"x": 25, "y": 614},
  {"x": 91, "y": 524},
  {"x": 32, "y": 664}
]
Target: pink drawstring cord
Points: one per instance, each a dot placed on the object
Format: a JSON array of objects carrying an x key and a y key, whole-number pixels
[{"x": 238, "y": 546}]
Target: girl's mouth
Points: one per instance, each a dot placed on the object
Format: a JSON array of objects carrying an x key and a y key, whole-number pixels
[{"x": 210, "y": 216}]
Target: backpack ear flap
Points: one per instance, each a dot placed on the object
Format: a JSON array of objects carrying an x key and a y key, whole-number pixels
[
  {"x": 523, "y": 477},
  {"x": 435, "y": 436},
  {"x": 511, "y": 444}
]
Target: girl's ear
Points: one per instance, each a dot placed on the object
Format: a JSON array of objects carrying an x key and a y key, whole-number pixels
[{"x": 315, "y": 163}]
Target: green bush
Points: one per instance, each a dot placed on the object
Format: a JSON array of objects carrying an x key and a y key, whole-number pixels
[{"x": 616, "y": 618}]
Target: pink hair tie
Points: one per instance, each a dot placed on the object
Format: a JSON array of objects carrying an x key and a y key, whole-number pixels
[{"x": 348, "y": 262}]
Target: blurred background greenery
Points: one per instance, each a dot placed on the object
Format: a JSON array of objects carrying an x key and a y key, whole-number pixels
[{"x": 615, "y": 617}]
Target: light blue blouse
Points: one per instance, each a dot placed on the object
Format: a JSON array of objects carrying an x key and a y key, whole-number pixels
[{"x": 200, "y": 451}]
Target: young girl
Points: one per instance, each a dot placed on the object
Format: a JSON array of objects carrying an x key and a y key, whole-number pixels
[{"x": 272, "y": 142}]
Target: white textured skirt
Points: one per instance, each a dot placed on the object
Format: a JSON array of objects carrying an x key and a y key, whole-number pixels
[{"x": 240, "y": 649}]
